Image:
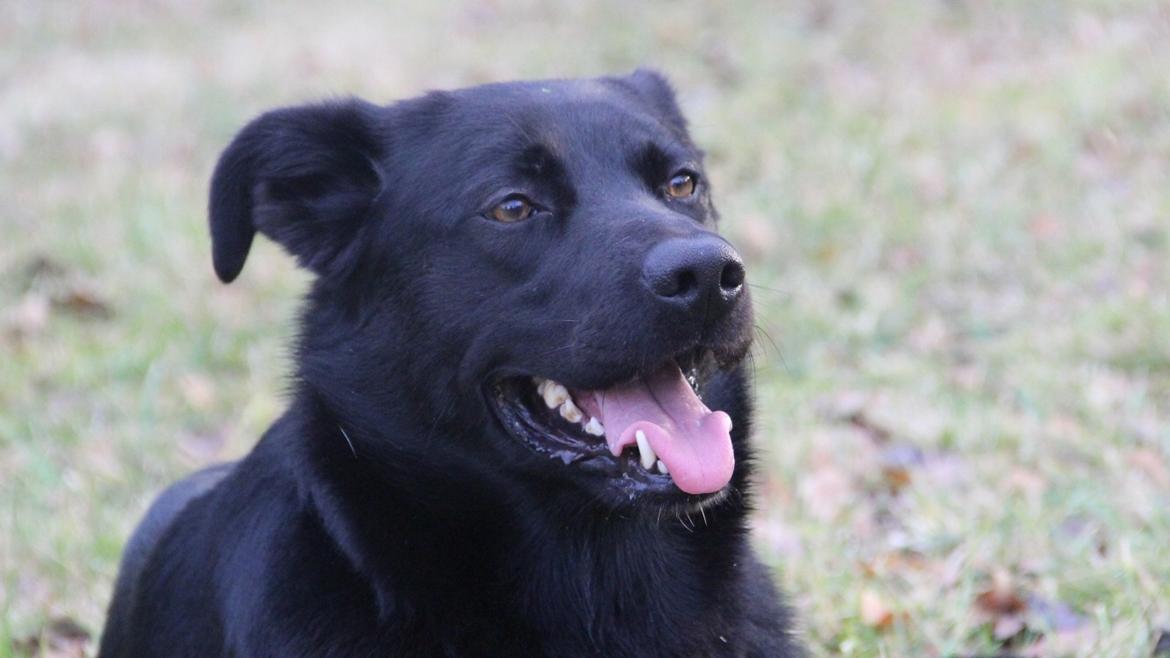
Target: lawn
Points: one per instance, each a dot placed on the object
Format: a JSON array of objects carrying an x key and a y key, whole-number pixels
[{"x": 957, "y": 220}]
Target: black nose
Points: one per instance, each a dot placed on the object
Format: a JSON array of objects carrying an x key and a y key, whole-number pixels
[{"x": 699, "y": 274}]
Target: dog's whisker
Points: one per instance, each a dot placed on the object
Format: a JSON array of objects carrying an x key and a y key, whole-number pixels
[
  {"x": 760, "y": 330},
  {"x": 438, "y": 418},
  {"x": 555, "y": 350},
  {"x": 350, "y": 443},
  {"x": 763, "y": 287}
]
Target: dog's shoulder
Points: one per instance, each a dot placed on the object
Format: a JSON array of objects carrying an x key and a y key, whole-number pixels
[{"x": 221, "y": 521}]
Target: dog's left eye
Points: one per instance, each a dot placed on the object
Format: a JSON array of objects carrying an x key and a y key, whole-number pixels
[
  {"x": 513, "y": 209},
  {"x": 681, "y": 185}
]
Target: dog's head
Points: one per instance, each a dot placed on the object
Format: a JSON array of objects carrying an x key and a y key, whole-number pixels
[{"x": 521, "y": 277}]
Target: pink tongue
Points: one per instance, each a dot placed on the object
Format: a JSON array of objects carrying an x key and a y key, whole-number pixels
[{"x": 693, "y": 441}]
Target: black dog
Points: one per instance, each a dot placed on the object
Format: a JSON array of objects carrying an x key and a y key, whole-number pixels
[{"x": 500, "y": 440}]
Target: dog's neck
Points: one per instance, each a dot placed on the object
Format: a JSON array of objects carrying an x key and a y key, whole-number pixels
[{"x": 429, "y": 543}]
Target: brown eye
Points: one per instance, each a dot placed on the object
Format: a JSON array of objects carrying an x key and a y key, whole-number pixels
[
  {"x": 681, "y": 185},
  {"x": 512, "y": 209}
]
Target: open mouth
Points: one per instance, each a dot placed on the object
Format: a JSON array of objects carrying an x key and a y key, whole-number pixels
[{"x": 653, "y": 429}]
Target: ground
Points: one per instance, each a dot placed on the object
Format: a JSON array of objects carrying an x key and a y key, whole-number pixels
[{"x": 957, "y": 220}]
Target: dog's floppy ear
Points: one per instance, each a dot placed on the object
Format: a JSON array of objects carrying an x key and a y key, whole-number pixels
[
  {"x": 655, "y": 89},
  {"x": 304, "y": 176}
]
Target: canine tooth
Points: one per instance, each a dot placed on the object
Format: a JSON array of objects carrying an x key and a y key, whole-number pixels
[
  {"x": 554, "y": 394},
  {"x": 594, "y": 427},
  {"x": 644, "y": 450},
  {"x": 570, "y": 412},
  {"x": 661, "y": 467}
]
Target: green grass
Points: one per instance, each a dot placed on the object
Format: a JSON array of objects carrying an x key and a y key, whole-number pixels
[{"x": 957, "y": 216}]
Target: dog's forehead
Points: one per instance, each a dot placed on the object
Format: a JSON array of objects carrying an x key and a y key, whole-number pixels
[
  {"x": 565, "y": 116},
  {"x": 541, "y": 95},
  {"x": 482, "y": 140}
]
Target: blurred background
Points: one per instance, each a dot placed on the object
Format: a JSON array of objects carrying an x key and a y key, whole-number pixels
[{"x": 957, "y": 219}]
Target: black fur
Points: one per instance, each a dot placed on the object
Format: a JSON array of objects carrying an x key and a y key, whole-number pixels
[{"x": 389, "y": 512}]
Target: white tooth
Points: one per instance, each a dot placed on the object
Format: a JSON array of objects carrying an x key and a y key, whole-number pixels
[
  {"x": 554, "y": 394},
  {"x": 594, "y": 427},
  {"x": 644, "y": 449},
  {"x": 570, "y": 412},
  {"x": 662, "y": 467}
]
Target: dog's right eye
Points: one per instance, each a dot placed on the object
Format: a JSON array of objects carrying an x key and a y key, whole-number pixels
[{"x": 512, "y": 209}]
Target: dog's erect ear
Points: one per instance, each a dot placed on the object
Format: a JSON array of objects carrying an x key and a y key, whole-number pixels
[
  {"x": 655, "y": 89},
  {"x": 304, "y": 176}
]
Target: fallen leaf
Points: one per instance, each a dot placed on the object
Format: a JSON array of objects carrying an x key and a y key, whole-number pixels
[
  {"x": 1151, "y": 464},
  {"x": 197, "y": 390},
  {"x": 83, "y": 302},
  {"x": 897, "y": 562},
  {"x": 1001, "y": 599},
  {"x": 29, "y": 317},
  {"x": 896, "y": 478},
  {"x": 866, "y": 423},
  {"x": 874, "y": 611},
  {"x": 61, "y": 638},
  {"x": 897, "y": 460},
  {"x": 826, "y": 492},
  {"x": 843, "y": 405},
  {"x": 1003, "y": 606}
]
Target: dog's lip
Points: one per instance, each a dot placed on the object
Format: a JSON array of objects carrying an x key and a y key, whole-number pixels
[
  {"x": 518, "y": 420},
  {"x": 695, "y": 356}
]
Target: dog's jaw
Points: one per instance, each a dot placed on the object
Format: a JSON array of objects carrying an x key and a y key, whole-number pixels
[{"x": 650, "y": 437}]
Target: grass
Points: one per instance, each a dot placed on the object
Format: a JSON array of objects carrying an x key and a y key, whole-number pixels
[{"x": 957, "y": 216}]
